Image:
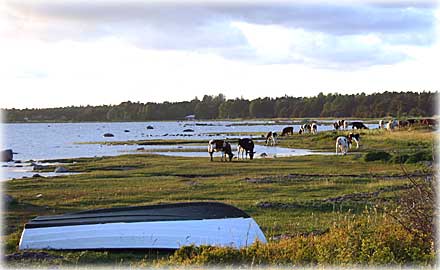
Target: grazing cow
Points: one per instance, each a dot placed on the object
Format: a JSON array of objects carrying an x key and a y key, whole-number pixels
[
  {"x": 412, "y": 122},
  {"x": 245, "y": 145},
  {"x": 340, "y": 124},
  {"x": 314, "y": 128},
  {"x": 391, "y": 125},
  {"x": 287, "y": 131},
  {"x": 271, "y": 138},
  {"x": 428, "y": 122},
  {"x": 305, "y": 128},
  {"x": 220, "y": 146},
  {"x": 354, "y": 137},
  {"x": 402, "y": 123},
  {"x": 358, "y": 125},
  {"x": 345, "y": 124},
  {"x": 342, "y": 143},
  {"x": 381, "y": 123}
]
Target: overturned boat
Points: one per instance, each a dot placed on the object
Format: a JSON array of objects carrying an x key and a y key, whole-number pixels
[{"x": 164, "y": 226}]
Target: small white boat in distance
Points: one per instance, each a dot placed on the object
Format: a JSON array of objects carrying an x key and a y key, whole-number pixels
[{"x": 164, "y": 226}]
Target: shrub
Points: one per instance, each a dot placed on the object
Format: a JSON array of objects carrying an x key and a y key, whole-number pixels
[
  {"x": 420, "y": 156},
  {"x": 377, "y": 155},
  {"x": 372, "y": 239},
  {"x": 399, "y": 158}
]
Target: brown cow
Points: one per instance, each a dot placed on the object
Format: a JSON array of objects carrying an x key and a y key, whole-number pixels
[
  {"x": 287, "y": 131},
  {"x": 428, "y": 122}
]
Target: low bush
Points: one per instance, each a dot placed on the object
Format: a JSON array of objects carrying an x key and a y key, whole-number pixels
[
  {"x": 377, "y": 155},
  {"x": 420, "y": 156},
  {"x": 372, "y": 239},
  {"x": 399, "y": 158}
]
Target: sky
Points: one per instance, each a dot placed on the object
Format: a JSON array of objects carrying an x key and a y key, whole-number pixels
[{"x": 63, "y": 53}]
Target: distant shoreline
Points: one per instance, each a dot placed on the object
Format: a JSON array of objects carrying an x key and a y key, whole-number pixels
[{"x": 276, "y": 120}]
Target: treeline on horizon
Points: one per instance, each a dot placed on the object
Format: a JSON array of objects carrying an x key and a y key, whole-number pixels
[{"x": 387, "y": 104}]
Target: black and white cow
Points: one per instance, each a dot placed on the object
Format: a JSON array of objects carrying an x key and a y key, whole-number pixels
[
  {"x": 358, "y": 125},
  {"x": 342, "y": 143},
  {"x": 271, "y": 138},
  {"x": 314, "y": 128},
  {"x": 287, "y": 131},
  {"x": 381, "y": 123},
  {"x": 354, "y": 137},
  {"x": 220, "y": 146},
  {"x": 305, "y": 128},
  {"x": 391, "y": 125},
  {"x": 245, "y": 146}
]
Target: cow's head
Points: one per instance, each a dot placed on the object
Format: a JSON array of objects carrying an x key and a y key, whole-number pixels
[{"x": 251, "y": 154}]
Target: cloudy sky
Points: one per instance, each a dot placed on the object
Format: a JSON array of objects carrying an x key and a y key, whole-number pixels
[{"x": 60, "y": 53}]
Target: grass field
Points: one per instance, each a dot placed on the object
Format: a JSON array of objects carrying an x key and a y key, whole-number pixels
[{"x": 286, "y": 196}]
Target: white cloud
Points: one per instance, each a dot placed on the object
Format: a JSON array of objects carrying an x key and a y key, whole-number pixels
[{"x": 58, "y": 59}]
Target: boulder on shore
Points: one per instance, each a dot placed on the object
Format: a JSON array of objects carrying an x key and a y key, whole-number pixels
[
  {"x": 7, "y": 155},
  {"x": 7, "y": 199},
  {"x": 61, "y": 170},
  {"x": 108, "y": 135}
]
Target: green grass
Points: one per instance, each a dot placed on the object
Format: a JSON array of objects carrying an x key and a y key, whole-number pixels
[{"x": 304, "y": 184}]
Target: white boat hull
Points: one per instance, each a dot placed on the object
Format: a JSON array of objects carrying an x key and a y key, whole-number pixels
[{"x": 231, "y": 232}]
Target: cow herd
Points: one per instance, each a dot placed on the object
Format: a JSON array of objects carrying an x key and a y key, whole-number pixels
[
  {"x": 246, "y": 146},
  {"x": 392, "y": 124}
]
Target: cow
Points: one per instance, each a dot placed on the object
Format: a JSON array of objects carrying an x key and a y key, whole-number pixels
[
  {"x": 402, "y": 123},
  {"x": 412, "y": 122},
  {"x": 342, "y": 143},
  {"x": 428, "y": 122},
  {"x": 354, "y": 137},
  {"x": 305, "y": 128},
  {"x": 220, "y": 146},
  {"x": 381, "y": 123},
  {"x": 345, "y": 124},
  {"x": 287, "y": 131},
  {"x": 358, "y": 125},
  {"x": 245, "y": 145},
  {"x": 271, "y": 138},
  {"x": 314, "y": 128},
  {"x": 391, "y": 125},
  {"x": 340, "y": 124}
]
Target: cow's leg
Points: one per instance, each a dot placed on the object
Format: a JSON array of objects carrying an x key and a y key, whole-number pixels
[
  {"x": 337, "y": 146},
  {"x": 210, "y": 153}
]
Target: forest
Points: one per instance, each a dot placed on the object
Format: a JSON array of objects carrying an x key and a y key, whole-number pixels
[{"x": 386, "y": 104}]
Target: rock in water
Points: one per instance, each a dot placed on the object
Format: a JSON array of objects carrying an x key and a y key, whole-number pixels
[
  {"x": 150, "y": 127},
  {"x": 61, "y": 170},
  {"x": 108, "y": 135},
  {"x": 7, "y": 155},
  {"x": 188, "y": 130}
]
